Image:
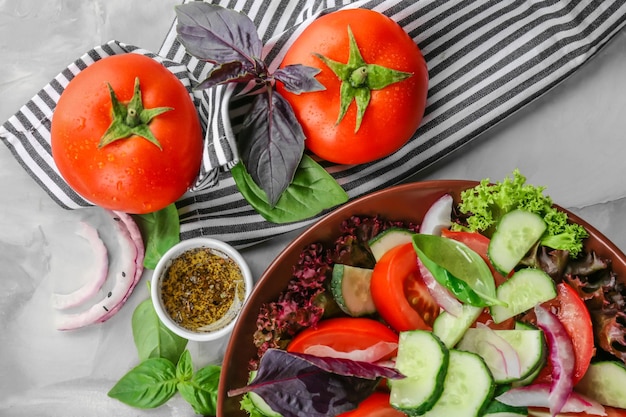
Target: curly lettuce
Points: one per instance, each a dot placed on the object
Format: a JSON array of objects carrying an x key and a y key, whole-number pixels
[{"x": 483, "y": 206}]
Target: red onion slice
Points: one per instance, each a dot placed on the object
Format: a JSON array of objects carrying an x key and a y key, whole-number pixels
[
  {"x": 442, "y": 296},
  {"x": 132, "y": 252},
  {"x": 438, "y": 216},
  {"x": 92, "y": 284},
  {"x": 135, "y": 234},
  {"x": 509, "y": 366},
  {"x": 537, "y": 395},
  {"x": 561, "y": 355}
]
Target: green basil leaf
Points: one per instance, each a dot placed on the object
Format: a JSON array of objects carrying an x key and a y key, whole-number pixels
[
  {"x": 458, "y": 268},
  {"x": 160, "y": 231},
  {"x": 149, "y": 385},
  {"x": 312, "y": 190},
  {"x": 152, "y": 338},
  {"x": 184, "y": 368},
  {"x": 201, "y": 390},
  {"x": 456, "y": 286}
]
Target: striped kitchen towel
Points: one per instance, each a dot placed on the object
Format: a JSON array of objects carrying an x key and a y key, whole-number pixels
[{"x": 486, "y": 59}]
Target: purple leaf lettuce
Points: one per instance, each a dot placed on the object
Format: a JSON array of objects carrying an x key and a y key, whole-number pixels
[{"x": 299, "y": 385}]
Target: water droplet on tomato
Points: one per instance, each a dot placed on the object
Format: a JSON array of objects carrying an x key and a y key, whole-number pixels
[{"x": 80, "y": 122}]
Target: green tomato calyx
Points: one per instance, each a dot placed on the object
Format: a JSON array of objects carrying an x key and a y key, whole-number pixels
[
  {"x": 358, "y": 79},
  {"x": 131, "y": 119}
]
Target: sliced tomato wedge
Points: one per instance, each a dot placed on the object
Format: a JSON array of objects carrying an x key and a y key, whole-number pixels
[
  {"x": 573, "y": 313},
  {"x": 399, "y": 293},
  {"x": 376, "y": 405},
  {"x": 346, "y": 334}
]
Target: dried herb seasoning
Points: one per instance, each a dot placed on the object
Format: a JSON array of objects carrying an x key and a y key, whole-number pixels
[{"x": 202, "y": 289}]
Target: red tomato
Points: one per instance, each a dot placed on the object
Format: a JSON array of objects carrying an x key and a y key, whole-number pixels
[
  {"x": 394, "y": 112},
  {"x": 573, "y": 313},
  {"x": 376, "y": 405},
  {"x": 399, "y": 293},
  {"x": 131, "y": 174},
  {"x": 344, "y": 334}
]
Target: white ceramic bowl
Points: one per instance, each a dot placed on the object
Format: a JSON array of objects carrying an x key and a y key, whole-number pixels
[{"x": 161, "y": 269}]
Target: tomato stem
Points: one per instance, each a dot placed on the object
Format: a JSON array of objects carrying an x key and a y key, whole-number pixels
[
  {"x": 358, "y": 79},
  {"x": 359, "y": 76},
  {"x": 131, "y": 119}
]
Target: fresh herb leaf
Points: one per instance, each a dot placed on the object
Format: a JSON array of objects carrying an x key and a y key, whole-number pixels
[
  {"x": 272, "y": 143},
  {"x": 226, "y": 73},
  {"x": 221, "y": 36},
  {"x": 299, "y": 79},
  {"x": 152, "y": 338},
  {"x": 166, "y": 367},
  {"x": 297, "y": 385},
  {"x": 201, "y": 390},
  {"x": 160, "y": 231},
  {"x": 312, "y": 190},
  {"x": 150, "y": 384},
  {"x": 458, "y": 268},
  {"x": 184, "y": 367}
]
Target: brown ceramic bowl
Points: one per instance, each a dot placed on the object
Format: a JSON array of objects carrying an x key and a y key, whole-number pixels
[{"x": 403, "y": 202}]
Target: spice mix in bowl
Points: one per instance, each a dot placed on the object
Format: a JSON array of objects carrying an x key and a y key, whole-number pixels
[{"x": 199, "y": 287}]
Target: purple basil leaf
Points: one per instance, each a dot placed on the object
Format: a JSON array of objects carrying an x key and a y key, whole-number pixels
[
  {"x": 294, "y": 386},
  {"x": 299, "y": 78},
  {"x": 218, "y": 35},
  {"x": 226, "y": 73},
  {"x": 271, "y": 143}
]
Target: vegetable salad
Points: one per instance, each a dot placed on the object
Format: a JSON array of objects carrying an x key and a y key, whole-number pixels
[{"x": 489, "y": 306}]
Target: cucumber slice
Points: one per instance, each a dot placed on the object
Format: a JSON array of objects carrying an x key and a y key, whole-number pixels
[
  {"x": 467, "y": 389},
  {"x": 528, "y": 379},
  {"x": 525, "y": 289},
  {"x": 389, "y": 239},
  {"x": 450, "y": 329},
  {"x": 423, "y": 360},
  {"x": 521, "y": 325},
  {"x": 604, "y": 382},
  {"x": 350, "y": 286},
  {"x": 516, "y": 233},
  {"x": 259, "y": 403},
  {"x": 529, "y": 345},
  {"x": 514, "y": 413}
]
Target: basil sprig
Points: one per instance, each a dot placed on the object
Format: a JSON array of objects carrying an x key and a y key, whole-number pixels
[
  {"x": 165, "y": 369},
  {"x": 458, "y": 268},
  {"x": 271, "y": 140}
]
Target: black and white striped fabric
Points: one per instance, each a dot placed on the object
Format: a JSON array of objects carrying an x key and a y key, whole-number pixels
[{"x": 486, "y": 60}]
